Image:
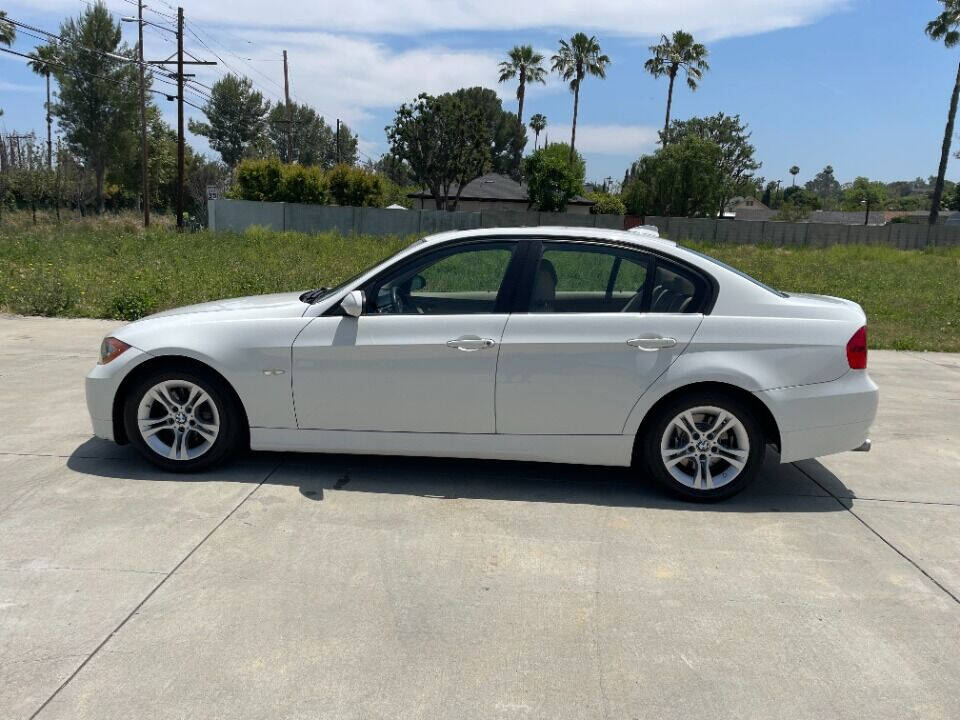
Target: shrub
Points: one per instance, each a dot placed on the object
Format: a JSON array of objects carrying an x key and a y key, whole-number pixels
[
  {"x": 606, "y": 204},
  {"x": 131, "y": 304},
  {"x": 299, "y": 184},
  {"x": 259, "y": 180},
  {"x": 355, "y": 186}
]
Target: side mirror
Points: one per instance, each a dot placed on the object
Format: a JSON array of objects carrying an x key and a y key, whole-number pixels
[{"x": 352, "y": 304}]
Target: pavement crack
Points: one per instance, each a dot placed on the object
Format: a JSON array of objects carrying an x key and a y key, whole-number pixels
[
  {"x": 150, "y": 594},
  {"x": 889, "y": 544}
]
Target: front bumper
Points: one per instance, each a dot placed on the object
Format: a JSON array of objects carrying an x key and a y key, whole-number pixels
[
  {"x": 823, "y": 418},
  {"x": 102, "y": 384}
]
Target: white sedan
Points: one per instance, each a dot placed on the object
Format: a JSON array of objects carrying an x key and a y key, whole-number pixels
[{"x": 568, "y": 345}]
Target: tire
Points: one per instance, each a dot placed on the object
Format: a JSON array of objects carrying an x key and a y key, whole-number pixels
[
  {"x": 182, "y": 420},
  {"x": 694, "y": 463}
]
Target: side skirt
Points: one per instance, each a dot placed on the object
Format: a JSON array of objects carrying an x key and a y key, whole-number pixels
[{"x": 575, "y": 449}]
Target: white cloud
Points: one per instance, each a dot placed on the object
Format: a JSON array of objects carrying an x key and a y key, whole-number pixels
[
  {"x": 630, "y": 140},
  {"x": 19, "y": 87},
  {"x": 346, "y": 76},
  {"x": 637, "y": 18}
]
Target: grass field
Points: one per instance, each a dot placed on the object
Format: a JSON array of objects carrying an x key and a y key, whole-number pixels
[{"x": 111, "y": 268}]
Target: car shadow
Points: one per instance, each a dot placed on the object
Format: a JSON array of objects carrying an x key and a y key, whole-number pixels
[{"x": 778, "y": 488}]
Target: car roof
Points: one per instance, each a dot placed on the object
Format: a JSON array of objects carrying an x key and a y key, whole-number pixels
[{"x": 543, "y": 231}]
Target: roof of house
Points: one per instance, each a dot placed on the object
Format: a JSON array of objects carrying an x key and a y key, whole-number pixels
[
  {"x": 495, "y": 187},
  {"x": 740, "y": 201}
]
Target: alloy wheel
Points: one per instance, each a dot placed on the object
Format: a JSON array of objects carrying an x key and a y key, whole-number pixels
[
  {"x": 705, "y": 447},
  {"x": 178, "y": 420}
]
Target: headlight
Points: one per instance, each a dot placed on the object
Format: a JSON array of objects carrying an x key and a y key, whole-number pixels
[{"x": 110, "y": 349}]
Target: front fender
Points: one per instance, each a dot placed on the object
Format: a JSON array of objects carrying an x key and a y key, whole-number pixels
[{"x": 253, "y": 355}]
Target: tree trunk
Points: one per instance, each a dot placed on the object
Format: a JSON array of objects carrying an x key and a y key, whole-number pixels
[
  {"x": 520, "y": 95},
  {"x": 576, "y": 108},
  {"x": 101, "y": 202},
  {"x": 945, "y": 152},
  {"x": 666, "y": 122}
]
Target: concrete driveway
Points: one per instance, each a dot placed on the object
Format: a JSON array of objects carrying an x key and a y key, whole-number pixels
[{"x": 355, "y": 587}]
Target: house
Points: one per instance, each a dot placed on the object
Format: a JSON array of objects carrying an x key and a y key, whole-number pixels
[
  {"x": 740, "y": 203},
  {"x": 494, "y": 192}
]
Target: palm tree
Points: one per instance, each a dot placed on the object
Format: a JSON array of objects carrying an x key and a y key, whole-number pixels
[
  {"x": 672, "y": 54},
  {"x": 574, "y": 61},
  {"x": 946, "y": 27},
  {"x": 537, "y": 123},
  {"x": 793, "y": 171},
  {"x": 522, "y": 62},
  {"x": 40, "y": 60},
  {"x": 8, "y": 33}
]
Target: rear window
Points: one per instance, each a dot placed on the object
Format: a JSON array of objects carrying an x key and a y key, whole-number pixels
[{"x": 741, "y": 273}]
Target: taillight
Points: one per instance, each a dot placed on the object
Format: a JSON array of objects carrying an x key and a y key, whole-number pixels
[
  {"x": 857, "y": 350},
  {"x": 111, "y": 348}
]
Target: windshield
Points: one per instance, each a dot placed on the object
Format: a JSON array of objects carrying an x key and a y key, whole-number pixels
[{"x": 741, "y": 273}]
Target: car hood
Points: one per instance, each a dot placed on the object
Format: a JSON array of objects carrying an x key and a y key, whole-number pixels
[{"x": 285, "y": 304}]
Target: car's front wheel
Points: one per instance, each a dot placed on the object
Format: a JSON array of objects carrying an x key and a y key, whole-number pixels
[
  {"x": 181, "y": 421},
  {"x": 704, "y": 446}
]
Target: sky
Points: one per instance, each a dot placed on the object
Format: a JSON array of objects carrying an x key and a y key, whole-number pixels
[{"x": 851, "y": 83}]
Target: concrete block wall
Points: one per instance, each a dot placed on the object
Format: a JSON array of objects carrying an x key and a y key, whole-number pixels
[{"x": 237, "y": 215}]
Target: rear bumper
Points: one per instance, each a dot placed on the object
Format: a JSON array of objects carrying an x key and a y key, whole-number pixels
[{"x": 824, "y": 418}]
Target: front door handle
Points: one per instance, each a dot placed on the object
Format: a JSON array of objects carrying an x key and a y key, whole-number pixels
[
  {"x": 652, "y": 344},
  {"x": 471, "y": 342}
]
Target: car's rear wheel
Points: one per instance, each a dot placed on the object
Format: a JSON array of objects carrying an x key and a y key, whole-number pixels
[
  {"x": 182, "y": 421},
  {"x": 704, "y": 446}
]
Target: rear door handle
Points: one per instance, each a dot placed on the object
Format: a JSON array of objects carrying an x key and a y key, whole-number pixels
[
  {"x": 471, "y": 342},
  {"x": 651, "y": 344}
]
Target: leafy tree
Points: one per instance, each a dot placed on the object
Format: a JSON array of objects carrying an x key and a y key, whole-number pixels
[
  {"x": 737, "y": 163},
  {"x": 800, "y": 197},
  {"x": 554, "y": 176},
  {"x": 794, "y": 171},
  {"x": 202, "y": 173},
  {"x": 825, "y": 186},
  {"x": 671, "y": 55},
  {"x": 606, "y": 204},
  {"x": 236, "y": 119},
  {"x": 312, "y": 140},
  {"x": 161, "y": 164},
  {"x": 864, "y": 191},
  {"x": 444, "y": 141},
  {"x": 525, "y": 64},
  {"x": 538, "y": 124},
  {"x": 394, "y": 169},
  {"x": 505, "y": 145},
  {"x": 98, "y": 100},
  {"x": 946, "y": 27},
  {"x": 576, "y": 59},
  {"x": 953, "y": 200},
  {"x": 682, "y": 179}
]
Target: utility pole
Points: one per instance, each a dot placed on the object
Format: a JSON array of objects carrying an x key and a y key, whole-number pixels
[
  {"x": 145, "y": 173},
  {"x": 49, "y": 125},
  {"x": 286, "y": 95},
  {"x": 180, "y": 76},
  {"x": 180, "y": 138},
  {"x": 338, "y": 141}
]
